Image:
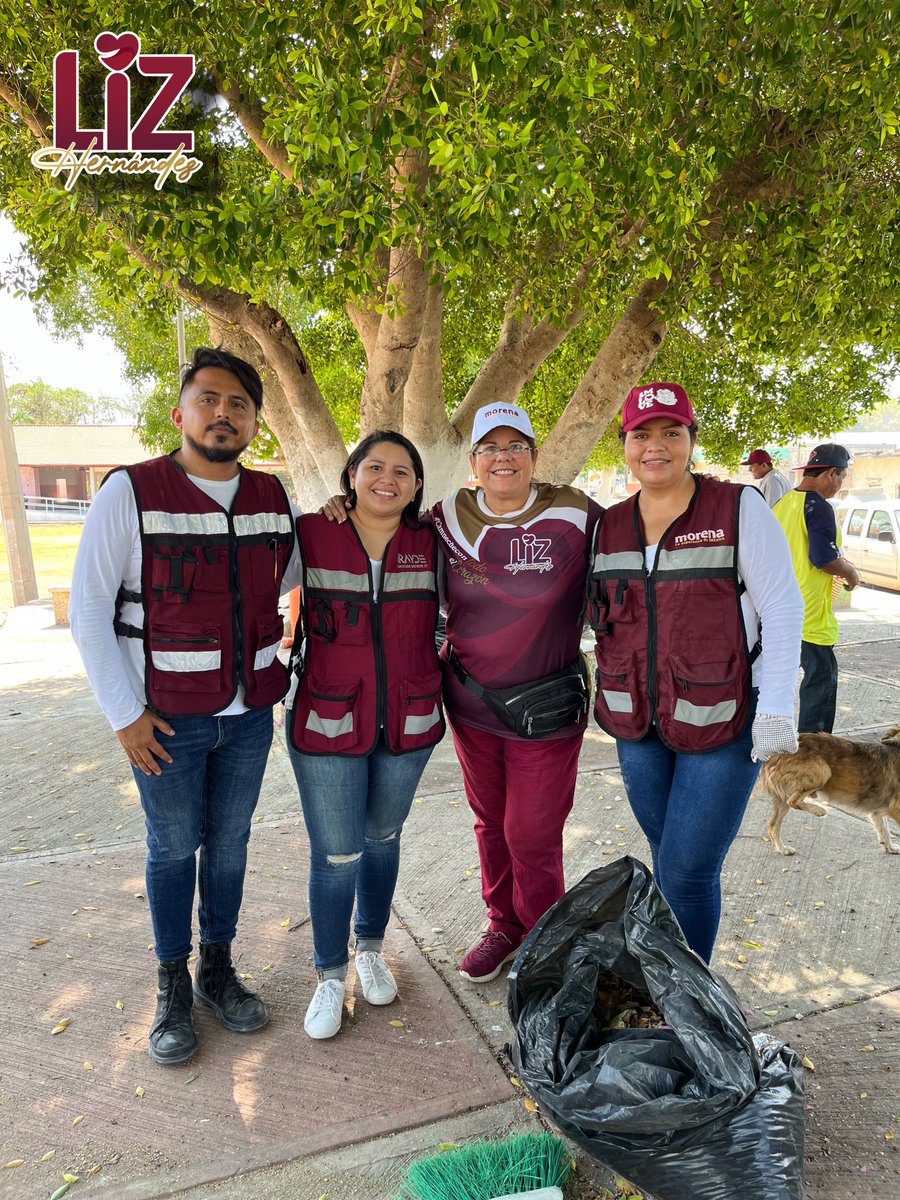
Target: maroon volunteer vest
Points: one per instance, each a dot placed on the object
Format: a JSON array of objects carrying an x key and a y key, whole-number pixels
[
  {"x": 366, "y": 664},
  {"x": 671, "y": 646},
  {"x": 210, "y": 583}
]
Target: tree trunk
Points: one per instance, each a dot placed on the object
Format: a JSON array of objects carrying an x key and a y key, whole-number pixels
[{"x": 623, "y": 358}]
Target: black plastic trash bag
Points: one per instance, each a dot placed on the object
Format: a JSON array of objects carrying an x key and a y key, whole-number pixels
[{"x": 700, "y": 1110}]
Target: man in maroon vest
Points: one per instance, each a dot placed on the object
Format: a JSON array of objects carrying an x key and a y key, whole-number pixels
[{"x": 175, "y": 612}]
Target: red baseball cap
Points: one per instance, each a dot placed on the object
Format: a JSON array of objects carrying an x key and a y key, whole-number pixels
[
  {"x": 657, "y": 400},
  {"x": 755, "y": 457}
]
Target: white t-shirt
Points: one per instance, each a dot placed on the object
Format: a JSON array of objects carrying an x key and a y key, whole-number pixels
[
  {"x": 772, "y": 600},
  {"x": 110, "y": 557}
]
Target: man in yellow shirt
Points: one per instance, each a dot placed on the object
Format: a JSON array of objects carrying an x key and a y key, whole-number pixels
[{"x": 809, "y": 523}]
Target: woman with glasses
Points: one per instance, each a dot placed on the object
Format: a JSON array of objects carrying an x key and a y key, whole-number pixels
[
  {"x": 516, "y": 556},
  {"x": 698, "y": 618},
  {"x": 516, "y": 552}
]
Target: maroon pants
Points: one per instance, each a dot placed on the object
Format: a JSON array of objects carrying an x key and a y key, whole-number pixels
[{"x": 521, "y": 793}]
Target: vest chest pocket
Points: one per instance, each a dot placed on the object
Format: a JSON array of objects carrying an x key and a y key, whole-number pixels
[
  {"x": 332, "y": 722},
  {"x": 184, "y": 660},
  {"x": 352, "y": 623},
  {"x": 705, "y": 693},
  {"x": 172, "y": 573}
]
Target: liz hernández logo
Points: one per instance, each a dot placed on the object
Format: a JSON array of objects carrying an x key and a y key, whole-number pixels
[{"x": 120, "y": 147}]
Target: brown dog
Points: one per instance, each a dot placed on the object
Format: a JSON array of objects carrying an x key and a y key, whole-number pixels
[{"x": 862, "y": 777}]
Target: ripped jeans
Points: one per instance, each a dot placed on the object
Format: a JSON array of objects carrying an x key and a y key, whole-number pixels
[{"x": 354, "y": 810}]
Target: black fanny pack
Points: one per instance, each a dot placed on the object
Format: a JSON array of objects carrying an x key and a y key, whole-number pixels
[{"x": 534, "y": 710}]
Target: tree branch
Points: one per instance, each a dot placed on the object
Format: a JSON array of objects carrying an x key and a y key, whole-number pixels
[
  {"x": 521, "y": 350},
  {"x": 252, "y": 117},
  {"x": 623, "y": 358},
  {"x": 27, "y": 108}
]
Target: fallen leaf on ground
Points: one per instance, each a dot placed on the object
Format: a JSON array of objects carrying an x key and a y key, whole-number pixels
[
  {"x": 889, "y": 1136},
  {"x": 267, "y": 967},
  {"x": 866, "y": 1049},
  {"x": 31, "y": 883},
  {"x": 428, "y": 949},
  {"x": 69, "y": 1178},
  {"x": 285, "y": 924},
  {"x": 191, "y": 1079},
  {"x": 448, "y": 1146},
  {"x": 530, "y": 1104},
  {"x": 62, "y": 1026},
  {"x": 743, "y": 958},
  {"x": 751, "y": 945},
  {"x": 397, "y": 1024},
  {"x": 48, "y": 1156},
  {"x": 120, "y": 1005},
  {"x": 819, "y": 904},
  {"x": 749, "y": 920},
  {"x": 40, "y": 941},
  {"x": 60, "y": 1192},
  {"x": 515, "y": 1081},
  {"x": 78, "y": 1119},
  {"x": 770, "y": 1012},
  {"x": 863, "y": 1095},
  {"x": 736, "y": 966},
  {"x": 95, "y": 1168},
  {"x": 14, "y": 1162},
  {"x": 139, "y": 1091},
  {"x": 496, "y": 1003},
  {"x": 808, "y": 1063},
  {"x": 89, "y": 1066}
]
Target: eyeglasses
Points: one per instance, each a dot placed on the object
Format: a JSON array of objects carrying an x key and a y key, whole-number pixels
[{"x": 491, "y": 450}]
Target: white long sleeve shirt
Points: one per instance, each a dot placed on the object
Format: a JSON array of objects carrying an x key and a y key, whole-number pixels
[
  {"x": 110, "y": 557},
  {"x": 773, "y": 602}
]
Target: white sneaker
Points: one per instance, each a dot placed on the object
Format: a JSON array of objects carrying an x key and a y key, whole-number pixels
[
  {"x": 378, "y": 984},
  {"x": 323, "y": 1017}
]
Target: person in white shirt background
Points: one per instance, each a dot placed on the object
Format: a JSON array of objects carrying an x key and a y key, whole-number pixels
[
  {"x": 769, "y": 480},
  {"x": 174, "y": 609}
]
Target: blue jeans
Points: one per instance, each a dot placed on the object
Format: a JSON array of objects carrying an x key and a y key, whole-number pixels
[
  {"x": 690, "y": 807},
  {"x": 204, "y": 799},
  {"x": 354, "y": 810},
  {"x": 818, "y": 688}
]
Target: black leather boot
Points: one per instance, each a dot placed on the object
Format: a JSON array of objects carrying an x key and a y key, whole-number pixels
[
  {"x": 218, "y": 987},
  {"x": 172, "y": 1037}
]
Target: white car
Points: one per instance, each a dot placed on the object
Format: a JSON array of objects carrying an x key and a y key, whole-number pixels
[{"x": 870, "y": 531}]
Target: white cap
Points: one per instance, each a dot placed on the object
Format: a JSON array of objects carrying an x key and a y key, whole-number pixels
[{"x": 492, "y": 416}]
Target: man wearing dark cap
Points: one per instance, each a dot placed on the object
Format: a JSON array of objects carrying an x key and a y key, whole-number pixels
[
  {"x": 770, "y": 482},
  {"x": 809, "y": 523}
]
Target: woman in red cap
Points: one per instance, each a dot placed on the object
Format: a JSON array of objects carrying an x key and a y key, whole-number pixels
[{"x": 698, "y": 619}]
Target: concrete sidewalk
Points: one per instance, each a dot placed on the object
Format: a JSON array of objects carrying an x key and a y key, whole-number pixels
[{"x": 275, "y": 1116}]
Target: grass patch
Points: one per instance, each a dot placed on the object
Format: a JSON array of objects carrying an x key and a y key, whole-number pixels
[{"x": 53, "y": 548}]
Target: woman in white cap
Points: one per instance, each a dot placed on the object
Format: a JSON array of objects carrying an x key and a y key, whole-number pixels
[
  {"x": 698, "y": 620},
  {"x": 516, "y": 554}
]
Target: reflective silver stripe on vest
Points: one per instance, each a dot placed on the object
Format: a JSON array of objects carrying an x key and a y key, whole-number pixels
[
  {"x": 422, "y": 724},
  {"x": 265, "y": 657},
  {"x": 186, "y": 660},
  {"x": 618, "y": 701},
  {"x": 336, "y": 581},
  {"x": 199, "y": 523},
  {"x": 626, "y": 560},
  {"x": 262, "y": 523},
  {"x": 705, "y": 714},
  {"x": 695, "y": 558},
  {"x": 408, "y": 581},
  {"x": 330, "y": 727}
]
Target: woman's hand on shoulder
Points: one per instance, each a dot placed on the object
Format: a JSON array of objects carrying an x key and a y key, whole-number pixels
[{"x": 336, "y": 509}]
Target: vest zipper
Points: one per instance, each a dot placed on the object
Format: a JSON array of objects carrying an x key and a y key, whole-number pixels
[
  {"x": 650, "y": 593},
  {"x": 237, "y": 604},
  {"x": 377, "y": 638}
]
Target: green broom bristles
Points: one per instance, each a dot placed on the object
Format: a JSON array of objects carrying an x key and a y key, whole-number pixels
[{"x": 490, "y": 1168}]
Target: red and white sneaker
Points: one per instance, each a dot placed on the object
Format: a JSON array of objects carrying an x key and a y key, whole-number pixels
[{"x": 483, "y": 962}]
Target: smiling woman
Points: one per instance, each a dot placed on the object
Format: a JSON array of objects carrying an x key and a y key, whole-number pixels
[
  {"x": 697, "y": 615},
  {"x": 367, "y": 710}
]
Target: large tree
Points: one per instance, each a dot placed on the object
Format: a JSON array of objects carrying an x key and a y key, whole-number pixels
[
  {"x": 40, "y": 403},
  {"x": 487, "y": 191}
]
